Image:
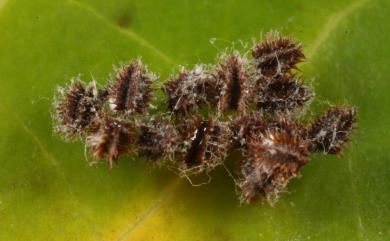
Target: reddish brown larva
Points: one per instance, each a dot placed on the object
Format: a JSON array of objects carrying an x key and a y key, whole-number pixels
[
  {"x": 189, "y": 90},
  {"x": 205, "y": 145},
  {"x": 233, "y": 83},
  {"x": 131, "y": 93},
  {"x": 276, "y": 55},
  {"x": 283, "y": 93},
  {"x": 245, "y": 126},
  {"x": 330, "y": 132},
  {"x": 274, "y": 156},
  {"x": 111, "y": 138},
  {"x": 159, "y": 140},
  {"x": 77, "y": 107}
]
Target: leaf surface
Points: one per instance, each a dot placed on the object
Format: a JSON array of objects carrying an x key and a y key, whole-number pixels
[{"x": 49, "y": 192}]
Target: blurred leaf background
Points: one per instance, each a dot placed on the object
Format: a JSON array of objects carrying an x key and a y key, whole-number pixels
[{"x": 49, "y": 192}]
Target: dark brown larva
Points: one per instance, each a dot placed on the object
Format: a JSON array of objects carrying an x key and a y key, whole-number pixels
[
  {"x": 276, "y": 54},
  {"x": 239, "y": 103},
  {"x": 273, "y": 158},
  {"x": 233, "y": 83},
  {"x": 330, "y": 132},
  {"x": 111, "y": 138},
  {"x": 131, "y": 93},
  {"x": 188, "y": 91},
  {"x": 78, "y": 107},
  {"x": 205, "y": 144},
  {"x": 159, "y": 140},
  {"x": 284, "y": 93}
]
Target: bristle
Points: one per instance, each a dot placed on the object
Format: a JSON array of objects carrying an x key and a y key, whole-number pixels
[
  {"x": 283, "y": 93},
  {"x": 205, "y": 145},
  {"x": 159, "y": 139},
  {"x": 188, "y": 91},
  {"x": 233, "y": 84},
  {"x": 330, "y": 132},
  {"x": 273, "y": 158},
  {"x": 113, "y": 138},
  {"x": 77, "y": 107},
  {"x": 131, "y": 93},
  {"x": 276, "y": 55}
]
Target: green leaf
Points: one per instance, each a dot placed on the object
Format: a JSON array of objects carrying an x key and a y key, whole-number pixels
[{"x": 49, "y": 192}]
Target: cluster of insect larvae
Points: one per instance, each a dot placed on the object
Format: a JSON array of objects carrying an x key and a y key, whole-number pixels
[{"x": 250, "y": 104}]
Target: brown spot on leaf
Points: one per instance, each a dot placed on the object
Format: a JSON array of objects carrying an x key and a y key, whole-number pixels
[{"x": 124, "y": 21}]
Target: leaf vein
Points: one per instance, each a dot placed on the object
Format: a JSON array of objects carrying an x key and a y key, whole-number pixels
[
  {"x": 150, "y": 211},
  {"x": 333, "y": 22},
  {"x": 2, "y": 4},
  {"x": 52, "y": 161},
  {"x": 128, "y": 32},
  {"x": 354, "y": 193}
]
